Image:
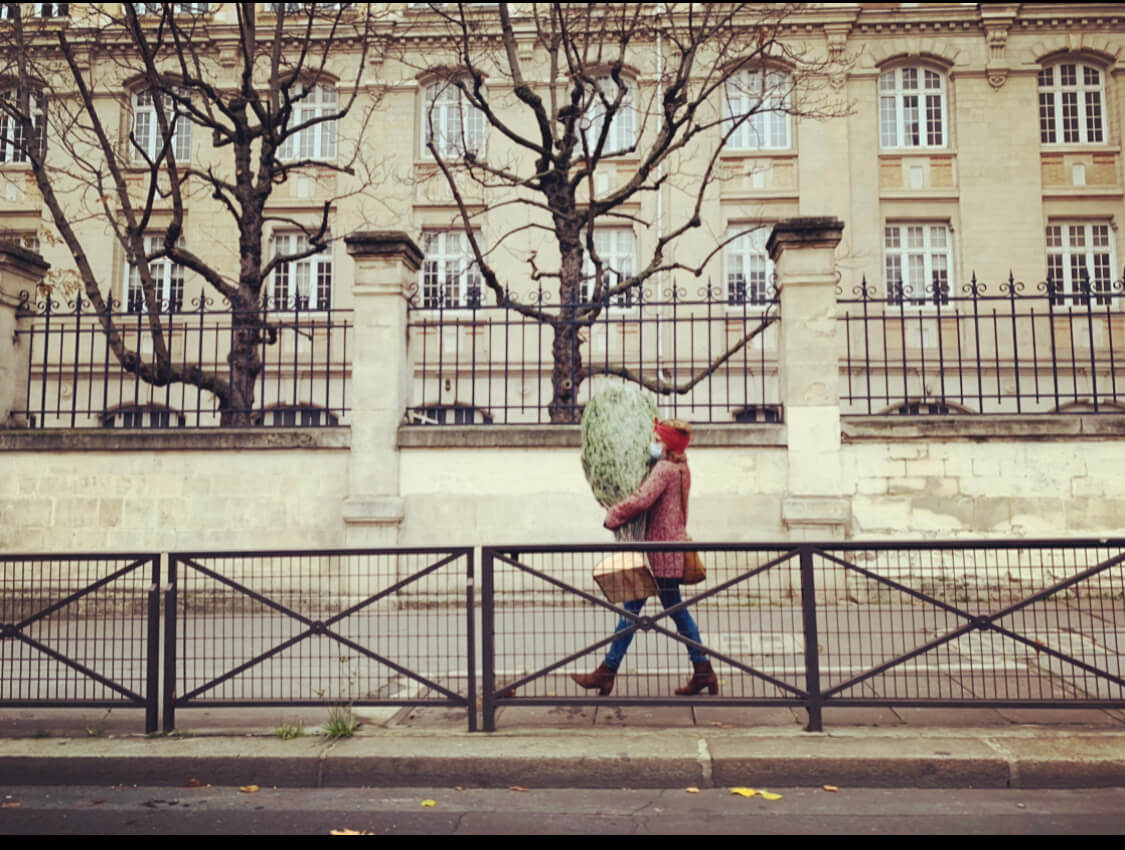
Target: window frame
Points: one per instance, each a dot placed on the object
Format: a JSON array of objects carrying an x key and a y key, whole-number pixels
[
  {"x": 435, "y": 274},
  {"x": 1052, "y": 103},
  {"x": 10, "y": 146},
  {"x": 147, "y": 416},
  {"x": 897, "y": 93},
  {"x": 168, "y": 276},
  {"x": 774, "y": 114},
  {"x": 624, "y": 121},
  {"x": 611, "y": 253},
  {"x": 927, "y": 252},
  {"x": 181, "y": 128},
  {"x": 314, "y": 270},
  {"x": 324, "y": 134},
  {"x": 1064, "y": 250},
  {"x": 146, "y": 10},
  {"x": 441, "y": 100},
  {"x": 743, "y": 251}
]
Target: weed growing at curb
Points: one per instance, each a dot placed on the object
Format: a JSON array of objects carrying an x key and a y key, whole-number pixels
[
  {"x": 342, "y": 722},
  {"x": 287, "y": 732}
]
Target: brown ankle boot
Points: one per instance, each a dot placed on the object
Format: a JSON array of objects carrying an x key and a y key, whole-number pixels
[
  {"x": 703, "y": 677},
  {"x": 602, "y": 679}
]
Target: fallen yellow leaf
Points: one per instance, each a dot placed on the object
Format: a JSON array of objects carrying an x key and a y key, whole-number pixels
[
  {"x": 692, "y": 790},
  {"x": 744, "y": 792},
  {"x": 346, "y": 831},
  {"x": 249, "y": 789},
  {"x": 769, "y": 795},
  {"x": 516, "y": 788},
  {"x": 831, "y": 788},
  {"x": 428, "y": 804}
]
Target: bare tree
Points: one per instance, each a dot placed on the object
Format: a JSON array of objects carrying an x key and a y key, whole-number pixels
[
  {"x": 555, "y": 85},
  {"x": 259, "y": 87}
]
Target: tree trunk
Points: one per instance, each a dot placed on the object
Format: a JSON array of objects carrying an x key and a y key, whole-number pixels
[
  {"x": 565, "y": 378},
  {"x": 566, "y": 372},
  {"x": 245, "y": 367}
]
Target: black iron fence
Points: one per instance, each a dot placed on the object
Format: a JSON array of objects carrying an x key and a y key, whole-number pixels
[
  {"x": 329, "y": 628},
  {"x": 1048, "y": 349},
  {"x": 80, "y": 631},
  {"x": 712, "y": 354},
  {"x": 1033, "y": 624},
  {"x": 75, "y": 380},
  {"x": 1037, "y": 624}
]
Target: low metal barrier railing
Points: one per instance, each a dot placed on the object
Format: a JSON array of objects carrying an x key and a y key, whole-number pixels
[
  {"x": 80, "y": 631},
  {"x": 939, "y": 624},
  {"x": 307, "y": 628},
  {"x": 1026, "y": 623}
]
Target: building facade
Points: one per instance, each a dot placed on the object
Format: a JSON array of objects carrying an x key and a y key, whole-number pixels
[{"x": 971, "y": 151}]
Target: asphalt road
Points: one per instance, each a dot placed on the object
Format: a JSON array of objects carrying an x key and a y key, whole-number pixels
[{"x": 91, "y": 810}]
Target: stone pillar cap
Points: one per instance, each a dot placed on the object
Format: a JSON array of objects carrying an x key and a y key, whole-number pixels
[
  {"x": 385, "y": 243},
  {"x": 809, "y": 232}
]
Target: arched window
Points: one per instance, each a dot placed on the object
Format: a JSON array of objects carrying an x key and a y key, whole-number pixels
[
  {"x": 142, "y": 416},
  {"x": 298, "y": 416},
  {"x": 622, "y": 133},
  {"x": 147, "y": 140},
  {"x": 455, "y": 125},
  {"x": 317, "y": 141},
  {"x": 450, "y": 414},
  {"x": 764, "y": 95},
  {"x": 1071, "y": 104},
  {"x": 912, "y": 108}
]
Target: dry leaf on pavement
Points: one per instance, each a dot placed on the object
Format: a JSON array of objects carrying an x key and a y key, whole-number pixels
[
  {"x": 516, "y": 788},
  {"x": 744, "y": 792},
  {"x": 428, "y": 804},
  {"x": 831, "y": 788},
  {"x": 9, "y": 805},
  {"x": 346, "y": 831},
  {"x": 192, "y": 783},
  {"x": 249, "y": 789},
  {"x": 692, "y": 790}
]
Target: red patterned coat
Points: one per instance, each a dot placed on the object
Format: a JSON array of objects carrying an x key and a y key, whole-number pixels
[{"x": 660, "y": 495}]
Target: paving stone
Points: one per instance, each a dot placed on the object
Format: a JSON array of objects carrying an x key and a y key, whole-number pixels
[
  {"x": 1060, "y": 716},
  {"x": 644, "y": 716},
  {"x": 742, "y": 718}
]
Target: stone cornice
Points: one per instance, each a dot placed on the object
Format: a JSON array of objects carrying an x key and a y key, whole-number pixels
[{"x": 172, "y": 439}]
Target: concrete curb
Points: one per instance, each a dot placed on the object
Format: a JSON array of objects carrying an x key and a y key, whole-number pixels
[{"x": 1029, "y": 758}]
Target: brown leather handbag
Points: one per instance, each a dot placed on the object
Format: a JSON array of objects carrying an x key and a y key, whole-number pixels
[{"x": 694, "y": 571}]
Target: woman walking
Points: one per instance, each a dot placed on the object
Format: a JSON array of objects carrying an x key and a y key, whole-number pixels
[{"x": 664, "y": 496}]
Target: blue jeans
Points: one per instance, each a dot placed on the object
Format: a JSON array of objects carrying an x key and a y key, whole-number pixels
[{"x": 685, "y": 625}]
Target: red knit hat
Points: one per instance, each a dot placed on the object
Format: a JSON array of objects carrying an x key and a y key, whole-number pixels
[{"x": 673, "y": 433}]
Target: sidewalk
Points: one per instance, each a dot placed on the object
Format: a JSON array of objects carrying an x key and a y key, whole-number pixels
[{"x": 579, "y": 746}]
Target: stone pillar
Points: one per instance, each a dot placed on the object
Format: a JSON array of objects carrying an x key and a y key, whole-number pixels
[
  {"x": 385, "y": 266},
  {"x": 20, "y": 271},
  {"x": 803, "y": 252}
]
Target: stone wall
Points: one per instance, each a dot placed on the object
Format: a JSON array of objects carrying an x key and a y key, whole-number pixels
[
  {"x": 83, "y": 491},
  {"x": 79, "y": 491}
]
